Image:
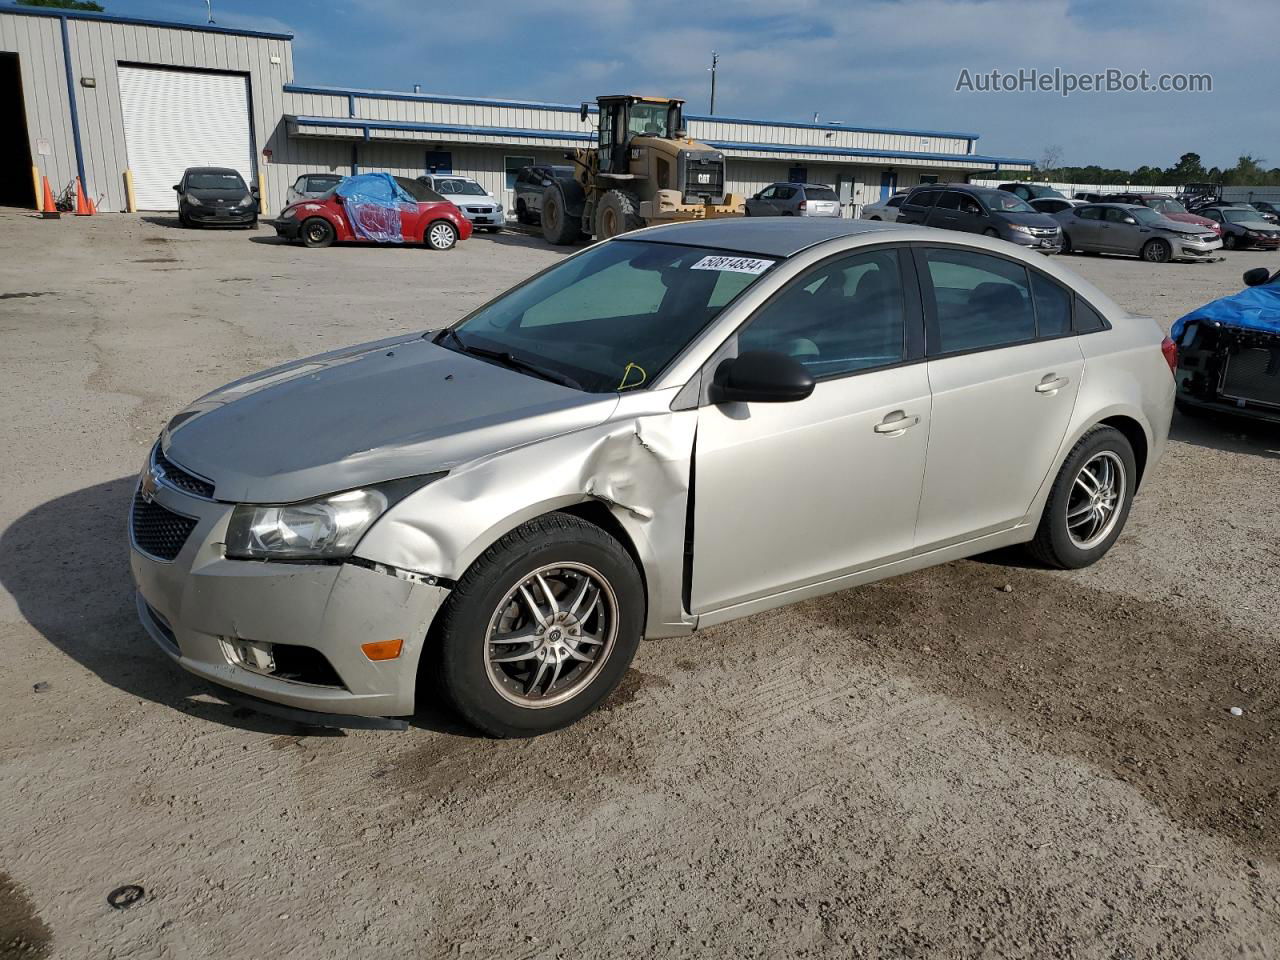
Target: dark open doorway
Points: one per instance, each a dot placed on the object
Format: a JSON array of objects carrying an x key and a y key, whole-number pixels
[{"x": 16, "y": 188}]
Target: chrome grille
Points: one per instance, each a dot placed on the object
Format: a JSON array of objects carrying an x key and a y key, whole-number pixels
[
  {"x": 175, "y": 476},
  {"x": 158, "y": 532}
]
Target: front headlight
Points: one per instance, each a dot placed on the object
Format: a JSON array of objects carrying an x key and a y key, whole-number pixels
[
  {"x": 195, "y": 201},
  {"x": 499, "y": 208},
  {"x": 288, "y": 213},
  {"x": 324, "y": 529},
  {"x": 246, "y": 199},
  {"x": 1020, "y": 228}
]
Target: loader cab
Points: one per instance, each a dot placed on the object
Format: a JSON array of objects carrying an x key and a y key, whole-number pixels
[{"x": 625, "y": 117}]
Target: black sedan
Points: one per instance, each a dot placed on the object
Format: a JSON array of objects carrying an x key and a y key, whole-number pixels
[{"x": 209, "y": 196}]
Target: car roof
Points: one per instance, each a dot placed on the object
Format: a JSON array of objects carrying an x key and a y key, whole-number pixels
[
  {"x": 770, "y": 236},
  {"x": 212, "y": 170}
]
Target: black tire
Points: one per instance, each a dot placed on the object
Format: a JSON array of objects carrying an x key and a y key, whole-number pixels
[
  {"x": 875, "y": 218},
  {"x": 618, "y": 212},
  {"x": 462, "y": 629},
  {"x": 316, "y": 232},
  {"x": 558, "y": 226},
  {"x": 1230, "y": 242},
  {"x": 989, "y": 232},
  {"x": 252, "y": 224},
  {"x": 1066, "y": 242},
  {"x": 440, "y": 235},
  {"x": 185, "y": 220},
  {"x": 1157, "y": 251},
  {"x": 1054, "y": 545},
  {"x": 522, "y": 213}
]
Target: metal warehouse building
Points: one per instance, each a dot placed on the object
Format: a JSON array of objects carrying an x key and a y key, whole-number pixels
[{"x": 93, "y": 95}]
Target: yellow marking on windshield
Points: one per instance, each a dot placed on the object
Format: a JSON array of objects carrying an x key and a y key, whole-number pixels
[{"x": 623, "y": 385}]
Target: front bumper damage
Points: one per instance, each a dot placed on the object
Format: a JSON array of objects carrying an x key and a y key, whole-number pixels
[
  {"x": 1230, "y": 370},
  {"x": 289, "y": 633}
]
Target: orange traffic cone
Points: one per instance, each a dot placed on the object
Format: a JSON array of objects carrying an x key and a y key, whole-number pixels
[
  {"x": 93, "y": 205},
  {"x": 82, "y": 205},
  {"x": 47, "y": 206}
]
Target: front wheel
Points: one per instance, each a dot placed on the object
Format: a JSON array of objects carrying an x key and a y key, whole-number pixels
[
  {"x": 1230, "y": 242},
  {"x": 541, "y": 628},
  {"x": 1157, "y": 251},
  {"x": 1066, "y": 242},
  {"x": 441, "y": 235},
  {"x": 317, "y": 232},
  {"x": 1089, "y": 502},
  {"x": 989, "y": 232}
]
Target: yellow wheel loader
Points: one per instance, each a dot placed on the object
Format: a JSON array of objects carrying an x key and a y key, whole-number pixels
[{"x": 644, "y": 169}]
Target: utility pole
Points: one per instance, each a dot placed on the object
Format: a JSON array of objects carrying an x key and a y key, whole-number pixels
[{"x": 715, "y": 59}]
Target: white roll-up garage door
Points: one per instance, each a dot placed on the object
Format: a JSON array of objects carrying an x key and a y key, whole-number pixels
[{"x": 174, "y": 119}]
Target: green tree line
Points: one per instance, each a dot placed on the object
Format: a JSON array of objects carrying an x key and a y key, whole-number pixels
[{"x": 1248, "y": 171}]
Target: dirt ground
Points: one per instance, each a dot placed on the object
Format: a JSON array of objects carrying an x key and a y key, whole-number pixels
[{"x": 934, "y": 766}]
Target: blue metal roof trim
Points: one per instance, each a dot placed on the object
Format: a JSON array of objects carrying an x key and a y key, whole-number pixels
[
  {"x": 570, "y": 108},
  {"x": 356, "y": 123},
  {"x": 137, "y": 21}
]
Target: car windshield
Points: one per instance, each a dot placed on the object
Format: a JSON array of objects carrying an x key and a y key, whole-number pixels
[
  {"x": 1165, "y": 205},
  {"x": 1006, "y": 203},
  {"x": 819, "y": 193},
  {"x": 460, "y": 185},
  {"x": 1240, "y": 214},
  {"x": 214, "y": 181},
  {"x": 1145, "y": 215},
  {"x": 611, "y": 318}
]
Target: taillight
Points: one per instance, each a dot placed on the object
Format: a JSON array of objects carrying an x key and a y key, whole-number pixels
[
  {"x": 804, "y": 204},
  {"x": 1170, "y": 351}
]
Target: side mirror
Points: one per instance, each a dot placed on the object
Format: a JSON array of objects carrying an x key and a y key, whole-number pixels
[
  {"x": 760, "y": 376},
  {"x": 546, "y": 183},
  {"x": 1256, "y": 277},
  {"x": 178, "y": 187},
  {"x": 1130, "y": 220}
]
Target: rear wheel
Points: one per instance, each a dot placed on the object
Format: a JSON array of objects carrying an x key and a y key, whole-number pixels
[
  {"x": 441, "y": 235},
  {"x": 618, "y": 212},
  {"x": 1157, "y": 251},
  {"x": 317, "y": 232},
  {"x": 558, "y": 226},
  {"x": 1089, "y": 502},
  {"x": 541, "y": 628},
  {"x": 1230, "y": 242}
]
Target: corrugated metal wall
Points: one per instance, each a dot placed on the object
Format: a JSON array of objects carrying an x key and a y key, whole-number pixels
[{"x": 97, "y": 48}]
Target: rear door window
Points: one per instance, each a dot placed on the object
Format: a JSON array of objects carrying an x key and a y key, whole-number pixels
[
  {"x": 950, "y": 201},
  {"x": 1053, "y": 306},
  {"x": 980, "y": 301},
  {"x": 820, "y": 193}
]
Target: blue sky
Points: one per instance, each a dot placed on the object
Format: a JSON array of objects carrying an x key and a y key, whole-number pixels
[{"x": 891, "y": 63}]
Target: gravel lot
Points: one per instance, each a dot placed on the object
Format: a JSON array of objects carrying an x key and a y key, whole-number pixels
[{"x": 928, "y": 767}]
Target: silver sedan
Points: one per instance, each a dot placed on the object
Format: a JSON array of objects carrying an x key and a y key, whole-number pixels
[
  {"x": 668, "y": 430},
  {"x": 1135, "y": 230}
]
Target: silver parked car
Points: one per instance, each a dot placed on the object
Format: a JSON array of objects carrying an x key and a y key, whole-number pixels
[
  {"x": 311, "y": 185},
  {"x": 477, "y": 204},
  {"x": 668, "y": 430},
  {"x": 886, "y": 209},
  {"x": 794, "y": 200},
  {"x": 1135, "y": 230}
]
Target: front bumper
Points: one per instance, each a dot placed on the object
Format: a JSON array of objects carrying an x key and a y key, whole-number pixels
[
  {"x": 1195, "y": 249},
  {"x": 200, "y": 608},
  {"x": 495, "y": 218},
  {"x": 1045, "y": 245},
  {"x": 289, "y": 229},
  {"x": 212, "y": 215},
  {"x": 1262, "y": 243}
]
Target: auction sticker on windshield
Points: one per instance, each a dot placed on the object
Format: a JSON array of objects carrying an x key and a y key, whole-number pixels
[{"x": 733, "y": 264}]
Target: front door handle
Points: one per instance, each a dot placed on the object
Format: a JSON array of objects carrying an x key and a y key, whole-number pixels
[
  {"x": 1051, "y": 384},
  {"x": 895, "y": 424}
]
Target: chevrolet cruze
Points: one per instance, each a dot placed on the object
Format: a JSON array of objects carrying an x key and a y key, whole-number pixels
[{"x": 668, "y": 430}]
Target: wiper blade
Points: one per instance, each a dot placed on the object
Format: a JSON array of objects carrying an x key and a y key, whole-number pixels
[{"x": 508, "y": 359}]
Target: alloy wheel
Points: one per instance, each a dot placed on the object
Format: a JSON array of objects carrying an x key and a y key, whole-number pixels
[
  {"x": 1097, "y": 493},
  {"x": 441, "y": 236},
  {"x": 551, "y": 634}
]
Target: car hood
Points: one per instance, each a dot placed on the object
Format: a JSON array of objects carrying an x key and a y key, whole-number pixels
[
  {"x": 1258, "y": 224},
  {"x": 384, "y": 410},
  {"x": 1189, "y": 218},
  {"x": 462, "y": 199},
  {"x": 1028, "y": 219}
]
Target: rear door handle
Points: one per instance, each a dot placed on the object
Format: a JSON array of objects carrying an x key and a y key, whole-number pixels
[
  {"x": 895, "y": 424},
  {"x": 1051, "y": 384}
]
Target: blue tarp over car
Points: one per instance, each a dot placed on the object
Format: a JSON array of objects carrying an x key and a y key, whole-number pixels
[
  {"x": 1253, "y": 308},
  {"x": 374, "y": 203}
]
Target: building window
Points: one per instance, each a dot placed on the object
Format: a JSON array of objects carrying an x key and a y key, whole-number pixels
[
  {"x": 798, "y": 175},
  {"x": 513, "y": 165},
  {"x": 439, "y": 161},
  {"x": 929, "y": 178}
]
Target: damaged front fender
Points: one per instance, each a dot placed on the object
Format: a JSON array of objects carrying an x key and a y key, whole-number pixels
[{"x": 636, "y": 463}]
